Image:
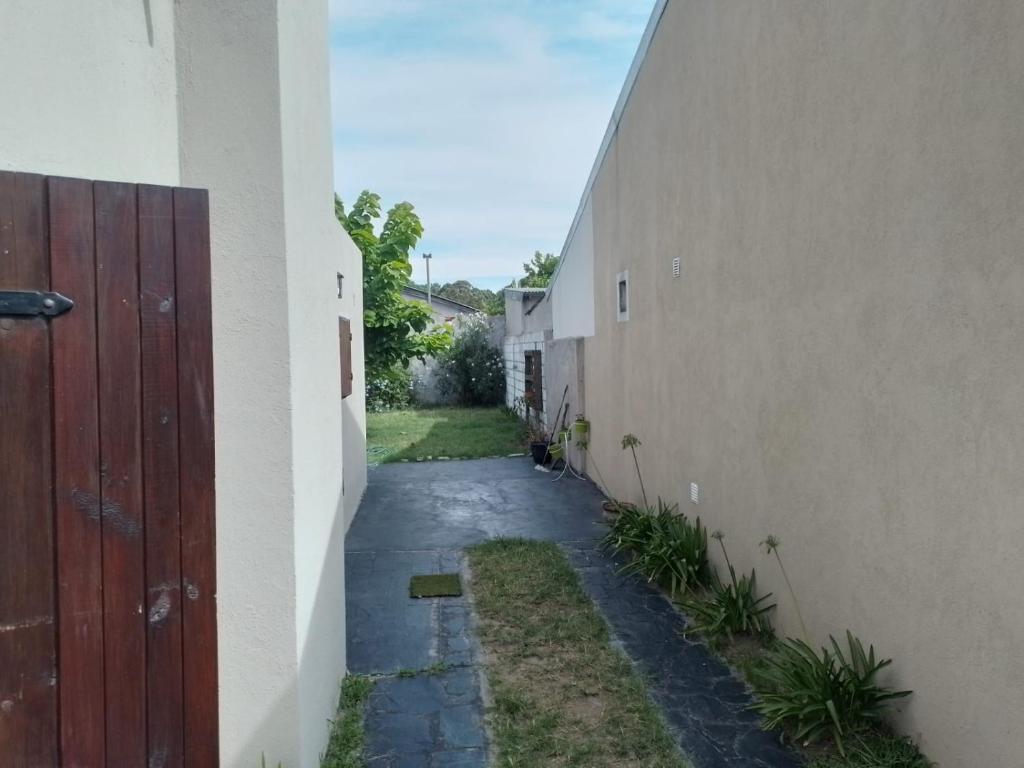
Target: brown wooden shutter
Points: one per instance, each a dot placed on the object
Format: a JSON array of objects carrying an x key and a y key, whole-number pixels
[
  {"x": 345, "y": 340},
  {"x": 107, "y": 558}
]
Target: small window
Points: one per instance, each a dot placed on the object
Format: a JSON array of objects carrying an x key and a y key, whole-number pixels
[{"x": 622, "y": 295}]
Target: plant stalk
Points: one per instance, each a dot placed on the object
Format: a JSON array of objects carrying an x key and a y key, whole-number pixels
[
  {"x": 792, "y": 594},
  {"x": 643, "y": 491}
]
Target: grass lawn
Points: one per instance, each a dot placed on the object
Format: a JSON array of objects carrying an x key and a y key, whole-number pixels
[
  {"x": 562, "y": 695},
  {"x": 465, "y": 433}
]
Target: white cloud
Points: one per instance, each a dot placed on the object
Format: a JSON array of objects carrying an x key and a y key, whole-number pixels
[{"x": 491, "y": 134}]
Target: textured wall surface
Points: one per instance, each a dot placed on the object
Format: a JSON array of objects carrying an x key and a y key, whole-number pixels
[
  {"x": 328, "y": 481},
  {"x": 255, "y": 129},
  {"x": 841, "y": 361},
  {"x": 571, "y": 296},
  {"x": 88, "y": 89}
]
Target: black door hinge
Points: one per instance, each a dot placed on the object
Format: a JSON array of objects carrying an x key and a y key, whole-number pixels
[{"x": 32, "y": 303}]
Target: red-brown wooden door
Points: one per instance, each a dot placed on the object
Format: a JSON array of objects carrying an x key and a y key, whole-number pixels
[{"x": 108, "y": 646}]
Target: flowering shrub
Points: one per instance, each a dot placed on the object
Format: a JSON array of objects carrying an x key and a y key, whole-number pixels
[
  {"x": 472, "y": 371},
  {"x": 388, "y": 390}
]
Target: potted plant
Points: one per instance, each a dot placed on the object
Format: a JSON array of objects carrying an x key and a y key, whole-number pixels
[
  {"x": 538, "y": 443},
  {"x": 581, "y": 427}
]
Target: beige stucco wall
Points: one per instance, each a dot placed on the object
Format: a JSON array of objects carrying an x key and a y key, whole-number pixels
[
  {"x": 841, "y": 362},
  {"x": 232, "y": 96}
]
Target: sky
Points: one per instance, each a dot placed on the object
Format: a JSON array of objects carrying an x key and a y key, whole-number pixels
[{"x": 484, "y": 114}]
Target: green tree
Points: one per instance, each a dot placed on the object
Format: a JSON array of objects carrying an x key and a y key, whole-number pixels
[
  {"x": 395, "y": 329},
  {"x": 539, "y": 270}
]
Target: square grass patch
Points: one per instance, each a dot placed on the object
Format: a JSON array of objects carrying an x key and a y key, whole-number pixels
[{"x": 438, "y": 585}]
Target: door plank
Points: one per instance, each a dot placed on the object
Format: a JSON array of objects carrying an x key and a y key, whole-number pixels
[
  {"x": 120, "y": 409},
  {"x": 76, "y": 476},
  {"x": 28, "y": 671},
  {"x": 196, "y": 480},
  {"x": 160, "y": 467}
]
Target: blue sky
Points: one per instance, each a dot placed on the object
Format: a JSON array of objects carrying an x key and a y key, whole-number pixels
[{"x": 485, "y": 114}]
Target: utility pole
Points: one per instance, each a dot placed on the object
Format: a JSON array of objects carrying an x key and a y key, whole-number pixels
[{"x": 427, "y": 257}]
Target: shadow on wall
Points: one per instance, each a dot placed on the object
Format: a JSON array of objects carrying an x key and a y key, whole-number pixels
[
  {"x": 353, "y": 457},
  {"x": 324, "y": 647}
]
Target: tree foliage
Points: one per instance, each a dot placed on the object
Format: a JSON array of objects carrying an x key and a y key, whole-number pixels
[
  {"x": 473, "y": 370},
  {"x": 395, "y": 329},
  {"x": 539, "y": 270}
]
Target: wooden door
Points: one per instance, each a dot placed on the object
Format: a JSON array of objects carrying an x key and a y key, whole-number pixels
[{"x": 108, "y": 649}]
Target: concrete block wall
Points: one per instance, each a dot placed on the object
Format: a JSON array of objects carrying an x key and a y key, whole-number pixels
[{"x": 516, "y": 348}]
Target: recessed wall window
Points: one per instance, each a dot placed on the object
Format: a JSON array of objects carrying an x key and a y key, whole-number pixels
[{"x": 622, "y": 296}]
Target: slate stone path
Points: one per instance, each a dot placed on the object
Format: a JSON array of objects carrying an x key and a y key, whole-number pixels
[{"x": 427, "y": 709}]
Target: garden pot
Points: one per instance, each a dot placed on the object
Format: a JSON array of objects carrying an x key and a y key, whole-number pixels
[
  {"x": 555, "y": 451},
  {"x": 582, "y": 428},
  {"x": 539, "y": 452},
  {"x": 563, "y": 436}
]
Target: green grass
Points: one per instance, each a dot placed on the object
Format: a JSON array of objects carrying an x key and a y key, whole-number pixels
[
  {"x": 563, "y": 696},
  {"x": 345, "y": 745},
  {"x": 435, "y": 585},
  {"x": 464, "y": 433}
]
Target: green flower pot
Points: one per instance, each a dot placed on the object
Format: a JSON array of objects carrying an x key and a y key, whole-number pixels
[
  {"x": 555, "y": 451},
  {"x": 582, "y": 428}
]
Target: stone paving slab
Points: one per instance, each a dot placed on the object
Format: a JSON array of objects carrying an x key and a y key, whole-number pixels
[
  {"x": 417, "y": 518},
  {"x": 388, "y": 631},
  {"x": 430, "y": 720},
  {"x": 700, "y": 697}
]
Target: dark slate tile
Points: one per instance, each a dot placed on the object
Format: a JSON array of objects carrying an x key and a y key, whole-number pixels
[
  {"x": 463, "y": 758},
  {"x": 393, "y": 734},
  {"x": 462, "y": 727}
]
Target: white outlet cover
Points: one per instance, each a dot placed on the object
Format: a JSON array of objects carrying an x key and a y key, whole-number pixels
[{"x": 695, "y": 493}]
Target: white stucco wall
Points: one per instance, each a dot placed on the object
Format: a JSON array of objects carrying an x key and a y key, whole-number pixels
[
  {"x": 88, "y": 89},
  {"x": 231, "y": 144},
  {"x": 571, "y": 293},
  {"x": 233, "y": 97},
  {"x": 318, "y": 249}
]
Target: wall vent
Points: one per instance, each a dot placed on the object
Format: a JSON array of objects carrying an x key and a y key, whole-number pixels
[
  {"x": 677, "y": 268},
  {"x": 695, "y": 493}
]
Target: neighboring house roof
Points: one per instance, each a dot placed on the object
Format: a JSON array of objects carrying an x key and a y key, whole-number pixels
[
  {"x": 516, "y": 289},
  {"x": 418, "y": 295},
  {"x": 613, "y": 126}
]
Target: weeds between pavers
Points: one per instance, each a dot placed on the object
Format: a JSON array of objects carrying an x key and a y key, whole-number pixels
[{"x": 347, "y": 740}]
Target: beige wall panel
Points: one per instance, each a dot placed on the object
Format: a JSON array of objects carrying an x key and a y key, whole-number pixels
[{"x": 841, "y": 362}]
